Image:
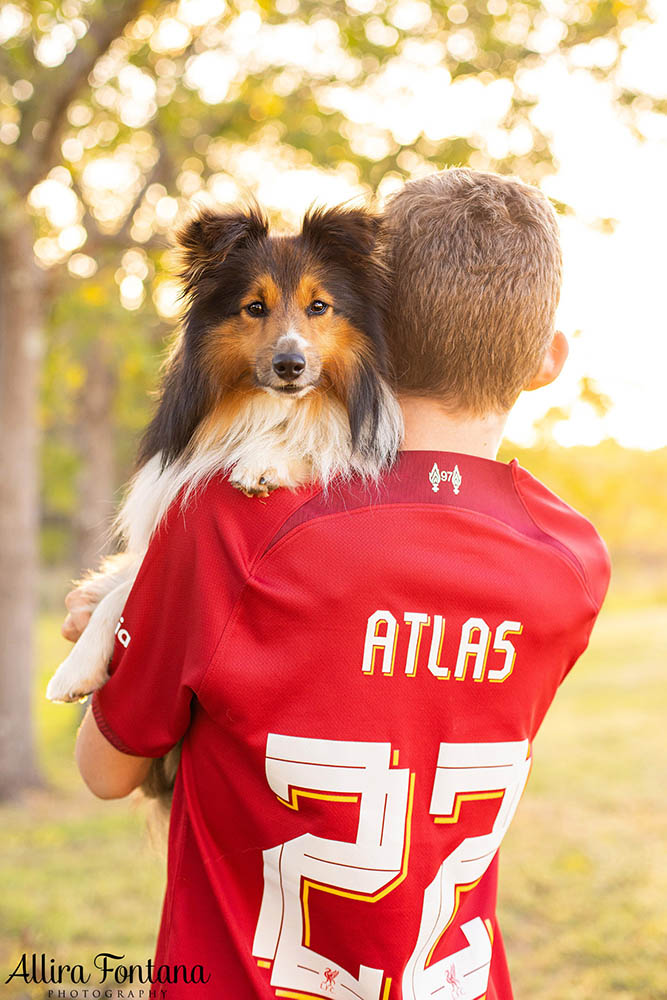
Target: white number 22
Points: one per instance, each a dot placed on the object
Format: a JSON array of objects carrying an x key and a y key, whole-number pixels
[{"x": 375, "y": 863}]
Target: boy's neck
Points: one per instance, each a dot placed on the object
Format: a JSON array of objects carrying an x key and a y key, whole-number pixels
[{"x": 429, "y": 427}]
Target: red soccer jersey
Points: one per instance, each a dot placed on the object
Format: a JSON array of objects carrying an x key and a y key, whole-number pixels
[{"x": 357, "y": 679}]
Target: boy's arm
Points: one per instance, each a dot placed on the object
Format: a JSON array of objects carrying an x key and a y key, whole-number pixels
[{"x": 108, "y": 773}]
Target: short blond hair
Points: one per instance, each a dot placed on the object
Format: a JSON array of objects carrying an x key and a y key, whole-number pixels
[{"x": 476, "y": 263}]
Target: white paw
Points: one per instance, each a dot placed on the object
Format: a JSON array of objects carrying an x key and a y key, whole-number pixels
[
  {"x": 255, "y": 484},
  {"x": 77, "y": 676},
  {"x": 86, "y": 667}
]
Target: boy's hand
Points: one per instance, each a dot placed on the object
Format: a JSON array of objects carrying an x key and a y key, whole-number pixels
[{"x": 79, "y": 614}]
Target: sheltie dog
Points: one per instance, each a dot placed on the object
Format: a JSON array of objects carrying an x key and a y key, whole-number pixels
[{"x": 278, "y": 378}]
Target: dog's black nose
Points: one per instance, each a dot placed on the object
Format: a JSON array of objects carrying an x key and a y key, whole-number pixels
[{"x": 289, "y": 366}]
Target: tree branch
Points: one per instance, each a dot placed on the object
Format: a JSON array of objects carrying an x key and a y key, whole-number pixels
[
  {"x": 95, "y": 236},
  {"x": 98, "y": 242},
  {"x": 159, "y": 171},
  {"x": 56, "y": 89}
]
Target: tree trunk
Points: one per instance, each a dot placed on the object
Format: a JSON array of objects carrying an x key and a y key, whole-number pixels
[
  {"x": 21, "y": 344},
  {"x": 95, "y": 439}
]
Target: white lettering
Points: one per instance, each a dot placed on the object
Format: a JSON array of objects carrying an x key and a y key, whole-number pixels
[
  {"x": 474, "y": 644},
  {"x": 386, "y": 642},
  {"x": 416, "y": 620}
]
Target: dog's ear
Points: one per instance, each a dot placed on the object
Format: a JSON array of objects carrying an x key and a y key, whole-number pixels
[
  {"x": 375, "y": 418},
  {"x": 364, "y": 404},
  {"x": 351, "y": 231},
  {"x": 208, "y": 238},
  {"x": 353, "y": 240}
]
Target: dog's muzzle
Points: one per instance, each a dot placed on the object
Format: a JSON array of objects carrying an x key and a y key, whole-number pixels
[{"x": 288, "y": 367}]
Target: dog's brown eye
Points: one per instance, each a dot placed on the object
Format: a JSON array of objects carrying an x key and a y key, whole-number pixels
[
  {"x": 256, "y": 309},
  {"x": 317, "y": 307}
]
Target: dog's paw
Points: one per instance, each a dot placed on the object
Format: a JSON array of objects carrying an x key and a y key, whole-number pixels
[
  {"x": 61, "y": 693},
  {"x": 72, "y": 683},
  {"x": 256, "y": 486}
]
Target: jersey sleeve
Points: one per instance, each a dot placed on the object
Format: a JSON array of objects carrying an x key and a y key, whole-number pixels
[
  {"x": 575, "y": 539},
  {"x": 166, "y": 636},
  {"x": 567, "y": 529}
]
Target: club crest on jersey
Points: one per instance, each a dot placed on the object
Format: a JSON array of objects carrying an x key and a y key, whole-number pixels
[
  {"x": 329, "y": 981},
  {"x": 437, "y": 476},
  {"x": 453, "y": 982}
]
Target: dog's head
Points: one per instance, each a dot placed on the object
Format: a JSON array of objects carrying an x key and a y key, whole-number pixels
[{"x": 285, "y": 315}]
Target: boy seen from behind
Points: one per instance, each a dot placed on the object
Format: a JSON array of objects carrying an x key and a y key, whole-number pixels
[{"x": 357, "y": 742}]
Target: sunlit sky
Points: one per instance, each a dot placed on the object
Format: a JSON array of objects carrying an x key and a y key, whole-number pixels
[
  {"x": 614, "y": 284},
  {"x": 612, "y": 306}
]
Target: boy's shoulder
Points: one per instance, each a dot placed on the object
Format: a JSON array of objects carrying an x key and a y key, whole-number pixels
[
  {"x": 218, "y": 516},
  {"x": 564, "y": 528}
]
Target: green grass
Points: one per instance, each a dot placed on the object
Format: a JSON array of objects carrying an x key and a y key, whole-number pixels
[
  {"x": 78, "y": 875},
  {"x": 583, "y": 878}
]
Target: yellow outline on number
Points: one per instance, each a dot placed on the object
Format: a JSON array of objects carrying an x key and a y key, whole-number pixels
[
  {"x": 316, "y": 996},
  {"x": 458, "y": 892},
  {"x": 464, "y": 887},
  {"x": 487, "y": 923},
  {"x": 313, "y": 996},
  {"x": 364, "y": 897},
  {"x": 298, "y": 996},
  {"x": 297, "y": 793},
  {"x": 467, "y": 797},
  {"x": 459, "y": 889}
]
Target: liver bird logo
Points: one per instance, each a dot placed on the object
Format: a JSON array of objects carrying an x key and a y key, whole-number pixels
[
  {"x": 451, "y": 980},
  {"x": 329, "y": 981},
  {"x": 451, "y": 476}
]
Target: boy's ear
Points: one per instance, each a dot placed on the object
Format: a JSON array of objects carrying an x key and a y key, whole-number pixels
[
  {"x": 209, "y": 236},
  {"x": 552, "y": 362}
]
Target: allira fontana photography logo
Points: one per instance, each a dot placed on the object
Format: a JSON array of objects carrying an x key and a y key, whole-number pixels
[
  {"x": 452, "y": 476},
  {"x": 108, "y": 971}
]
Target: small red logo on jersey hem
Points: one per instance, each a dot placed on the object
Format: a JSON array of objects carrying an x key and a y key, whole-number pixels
[
  {"x": 450, "y": 978},
  {"x": 329, "y": 980}
]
